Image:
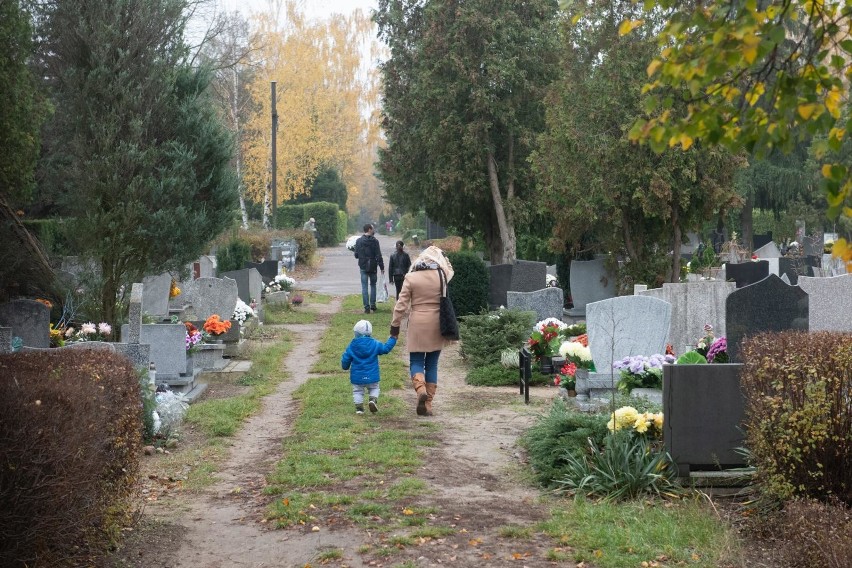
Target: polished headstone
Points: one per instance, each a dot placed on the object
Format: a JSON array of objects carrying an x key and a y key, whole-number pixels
[
  {"x": 499, "y": 282},
  {"x": 249, "y": 285},
  {"x": 268, "y": 269},
  {"x": 768, "y": 305},
  {"x": 168, "y": 347},
  {"x": 590, "y": 282},
  {"x": 829, "y": 302},
  {"x": 769, "y": 250},
  {"x": 694, "y": 304},
  {"x": 746, "y": 273},
  {"x": 29, "y": 320},
  {"x": 155, "y": 295}
]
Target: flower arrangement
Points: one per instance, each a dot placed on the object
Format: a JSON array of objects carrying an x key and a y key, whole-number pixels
[
  {"x": 216, "y": 326},
  {"x": 544, "y": 340},
  {"x": 577, "y": 353},
  {"x": 47, "y": 303},
  {"x": 57, "y": 339},
  {"x": 639, "y": 371},
  {"x": 242, "y": 312},
  {"x": 629, "y": 419},
  {"x": 565, "y": 376},
  {"x": 174, "y": 290},
  {"x": 281, "y": 283},
  {"x": 550, "y": 281},
  {"x": 88, "y": 332},
  {"x": 704, "y": 343},
  {"x": 193, "y": 336},
  {"x": 718, "y": 351}
]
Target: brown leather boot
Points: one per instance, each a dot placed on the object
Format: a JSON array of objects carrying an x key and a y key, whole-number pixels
[
  {"x": 430, "y": 394},
  {"x": 419, "y": 382}
]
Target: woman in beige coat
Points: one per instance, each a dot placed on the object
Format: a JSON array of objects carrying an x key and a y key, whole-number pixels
[{"x": 420, "y": 299}]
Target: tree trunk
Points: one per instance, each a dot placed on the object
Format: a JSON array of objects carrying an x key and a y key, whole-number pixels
[
  {"x": 235, "y": 116},
  {"x": 504, "y": 223},
  {"x": 747, "y": 224}
]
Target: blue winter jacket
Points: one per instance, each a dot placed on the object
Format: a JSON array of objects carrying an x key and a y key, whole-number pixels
[{"x": 362, "y": 356}]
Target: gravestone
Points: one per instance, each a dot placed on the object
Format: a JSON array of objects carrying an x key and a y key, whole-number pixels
[
  {"x": 637, "y": 288},
  {"x": 5, "y": 339},
  {"x": 768, "y": 305},
  {"x": 786, "y": 280},
  {"x": 522, "y": 276},
  {"x": 769, "y": 250},
  {"x": 138, "y": 353},
  {"x": 793, "y": 267},
  {"x": 91, "y": 346},
  {"x": 206, "y": 266},
  {"x": 746, "y": 273},
  {"x": 29, "y": 320},
  {"x": 285, "y": 252},
  {"x": 168, "y": 347},
  {"x": 155, "y": 294},
  {"x": 829, "y": 302},
  {"x": 212, "y": 296},
  {"x": 621, "y": 327},
  {"x": 694, "y": 304},
  {"x": 590, "y": 282},
  {"x": 546, "y": 303},
  {"x": 249, "y": 285},
  {"x": 762, "y": 240},
  {"x": 268, "y": 269},
  {"x": 833, "y": 266},
  {"x": 134, "y": 321}
]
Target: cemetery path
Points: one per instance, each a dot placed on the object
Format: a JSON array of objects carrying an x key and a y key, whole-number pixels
[{"x": 472, "y": 472}]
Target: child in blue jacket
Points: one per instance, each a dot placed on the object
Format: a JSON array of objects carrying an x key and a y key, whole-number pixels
[{"x": 362, "y": 359}]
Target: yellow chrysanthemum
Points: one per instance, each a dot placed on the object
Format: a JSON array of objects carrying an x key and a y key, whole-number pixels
[
  {"x": 641, "y": 425},
  {"x": 611, "y": 425},
  {"x": 625, "y": 417},
  {"x": 658, "y": 421}
]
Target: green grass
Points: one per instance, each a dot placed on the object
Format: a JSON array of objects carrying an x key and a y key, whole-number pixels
[
  {"x": 328, "y": 555},
  {"x": 515, "y": 531},
  {"x": 222, "y": 417},
  {"x": 285, "y": 313},
  {"x": 629, "y": 533},
  {"x": 314, "y": 297},
  {"x": 437, "y": 531}
]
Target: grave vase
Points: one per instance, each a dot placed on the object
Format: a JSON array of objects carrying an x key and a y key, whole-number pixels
[
  {"x": 581, "y": 384},
  {"x": 547, "y": 364},
  {"x": 190, "y": 363}
]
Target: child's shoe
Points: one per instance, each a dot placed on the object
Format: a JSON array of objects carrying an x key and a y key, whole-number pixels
[
  {"x": 373, "y": 406},
  {"x": 359, "y": 409}
]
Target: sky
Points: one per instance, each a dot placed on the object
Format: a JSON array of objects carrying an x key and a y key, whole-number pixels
[{"x": 313, "y": 8}]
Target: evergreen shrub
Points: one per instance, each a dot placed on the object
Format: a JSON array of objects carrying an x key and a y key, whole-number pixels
[
  {"x": 307, "y": 246},
  {"x": 233, "y": 256},
  {"x": 469, "y": 287},
  {"x": 799, "y": 413},
  {"x": 325, "y": 215},
  {"x": 497, "y": 375},
  {"x": 485, "y": 335},
  {"x": 71, "y": 432},
  {"x": 290, "y": 217},
  {"x": 557, "y": 434},
  {"x": 342, "y": 226}
]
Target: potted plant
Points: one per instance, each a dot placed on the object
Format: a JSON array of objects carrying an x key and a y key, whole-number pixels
[
  {"x": 544, "y": 342},
  {"x": 638, "y": 371},
  {"x": 564, "y": 378}
]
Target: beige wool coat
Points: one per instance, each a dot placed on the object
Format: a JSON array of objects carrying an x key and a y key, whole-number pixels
[{"x": 420, "y": 299}]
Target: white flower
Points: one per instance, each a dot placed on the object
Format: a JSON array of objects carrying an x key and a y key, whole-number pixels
[
  {"x": 88, "y": 328},
  {"x": 69, "y": 332},
  {"x": 104, "y": 328},
  {"x": 242, "y": 312},
  {"x": 560, "y": 324},
  {"x": 575, "y": 350}
]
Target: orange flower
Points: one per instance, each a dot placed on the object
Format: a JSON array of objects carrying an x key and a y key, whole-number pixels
[
  {"x": 215, "y": 326},
  {"x": 47, "y": 303},
  {"x": 190, "y": 329},
  {"x": 583, "y": 339}
]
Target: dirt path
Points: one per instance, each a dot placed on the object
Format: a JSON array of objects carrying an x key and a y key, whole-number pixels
[{"x": 471, "y": 471}]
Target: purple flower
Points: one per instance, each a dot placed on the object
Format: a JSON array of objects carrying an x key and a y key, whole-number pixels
[{"x": 718, "y": 347}]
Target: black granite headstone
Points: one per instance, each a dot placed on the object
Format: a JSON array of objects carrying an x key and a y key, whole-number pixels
[
  {"x": 760, "y": 240},
  {"x": 768, "y": 305},
  {"x": 500, "y": 280},
  {"x": 746, "y": 273},
  {"x": 794, "y": 267},
  {"x": 268, "y": 269}
]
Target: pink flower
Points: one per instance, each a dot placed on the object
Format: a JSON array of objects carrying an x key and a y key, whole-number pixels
[
  {"x": 104, "y": 328},
  {"x": 88, "y": 328}
]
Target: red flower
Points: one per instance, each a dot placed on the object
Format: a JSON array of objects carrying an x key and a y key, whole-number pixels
[
  {"x": 556, "y": 380},
  {"x": 569, "y": 368}
]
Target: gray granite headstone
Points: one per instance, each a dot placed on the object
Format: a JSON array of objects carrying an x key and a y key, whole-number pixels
[
  {"x": 249, "y": 285},
  {"x": 213, "y": 296},
  {"x": 138, "y": 353},
  {"x": 785, "y": 279},
  {"x": 694, "y": 304},
  {"x": 768, "y": 305},
  {"x": 135, "y": 319},
  {"x": 546, "y": 303},
  {"x": 528, "y": 276},
  {"x": 769, "y": 250},
  {"x": 624, "y": 326},
  {"x": 5, "y": 339},
  {"x": 155, "y": 295},
  {"x": 746, "y": 273},
  {"x": 92, "y": 346},
  {"x": 29, "y": 320},
  {"x": 829, "y": 302},
  {"x": 207, "y": 266},
  {"x": 637, "y": 288},
  {"x": 590, "y": 282},
  {"x": 168, "y": 347}
]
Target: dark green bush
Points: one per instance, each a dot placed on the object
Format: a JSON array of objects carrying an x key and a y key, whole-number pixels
[
  {"x": 342, "y": 226},
  {"x": 799, "y": 413},
  {"x": 483, "y": 336},
  {"x": 496, "y": 375},
  {"x": 469, "y": 287},
  {"x": 71, "y": 430},
  {"x": 290, "y": 216},
  {"x": 562, "y": 431},
  {"x": 325, "y": 215},
  {"x": 233, "y": 256},
  {"x": 51, "y": 235}
]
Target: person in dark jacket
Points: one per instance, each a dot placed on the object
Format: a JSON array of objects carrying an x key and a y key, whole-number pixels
[
  {"x": 369, "y": 255},
  {"x": 361, "y": 358},
  {"x": 398, "y": 266}
]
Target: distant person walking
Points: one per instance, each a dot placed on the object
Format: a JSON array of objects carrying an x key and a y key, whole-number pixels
[
  {"x": 398, "y": 266},
  {"x": 361, "y": 358},
  {"x": 369, "y": 255},
  {"x": 420, "y": 299}
]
